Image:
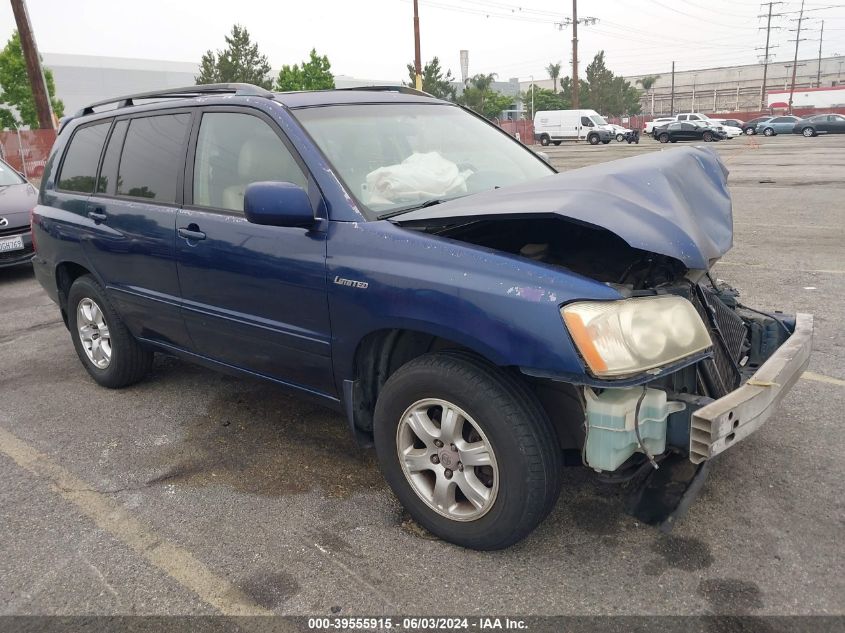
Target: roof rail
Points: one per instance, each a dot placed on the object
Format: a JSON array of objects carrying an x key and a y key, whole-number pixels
[
  {"x": 405, "y": 90},
  {"x": 247, "y": 90}
]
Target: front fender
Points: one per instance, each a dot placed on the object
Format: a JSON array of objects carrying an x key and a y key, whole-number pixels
[{"x": 502, "y": 306}]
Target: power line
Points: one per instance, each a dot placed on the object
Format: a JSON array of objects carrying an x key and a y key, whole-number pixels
[{"x": 795, "y": 61}]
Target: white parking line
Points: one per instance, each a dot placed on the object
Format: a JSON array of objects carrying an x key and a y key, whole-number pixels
[
  {"x": 171, "y": 559},
  {"x": 801, "y": 270},
  {"x": 810, "y": 375}
]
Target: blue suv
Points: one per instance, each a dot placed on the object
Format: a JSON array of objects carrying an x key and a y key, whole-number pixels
[{"x": 479, "y": 318}]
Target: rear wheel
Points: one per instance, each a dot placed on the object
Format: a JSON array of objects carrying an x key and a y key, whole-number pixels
[
  {"x": 593, "y": 139},
  {"x": 544, "y": 140},
  {"x": 750, "y": 131},
  {"x": 808, "y": 132},
  {"x": 663, "y": 138},
  {"x": 620, "y": 137},
  {"x": 108, "y": 351},
  {"x": 769, "y": 132},
  {"x": 467, "y": 449}
]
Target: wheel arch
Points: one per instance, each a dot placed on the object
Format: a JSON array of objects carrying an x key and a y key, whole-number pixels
[{"x": 66, "y": 273}]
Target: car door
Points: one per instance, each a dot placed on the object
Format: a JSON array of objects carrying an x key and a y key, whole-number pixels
[
  {"x": 254, "y": 296},
  {"x": 132, "y": 212}
]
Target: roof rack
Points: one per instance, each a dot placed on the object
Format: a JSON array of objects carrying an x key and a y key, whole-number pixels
[
  {"x": 246, "y": 90},
  {"x": 405, "y": 90}
]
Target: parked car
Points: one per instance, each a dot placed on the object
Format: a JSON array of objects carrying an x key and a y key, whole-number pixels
[
  {"x": 556, "y": 126},
  {"x": 475, "y": 315},
  {"x": 17, "y": 197},
  {"x": 688, "y": 131},
  {"x": 777, "y": 125},
  {"x": 618, "y": 131},
  {"x": 649, "y": 127},
  {"x": 750, "y": 127},
  {"x": 820, "y": 124},
  {"x": 737, "y": 123}
]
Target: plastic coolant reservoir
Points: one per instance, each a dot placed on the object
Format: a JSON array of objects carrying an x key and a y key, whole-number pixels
[{"x": 611, "y": 437}]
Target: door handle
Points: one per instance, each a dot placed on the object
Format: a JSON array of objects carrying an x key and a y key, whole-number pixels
[
  {"x": 191, "y": 232},
  {"x": 98, "y": 216}
]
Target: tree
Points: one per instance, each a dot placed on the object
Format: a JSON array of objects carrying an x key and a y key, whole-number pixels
[
  {"x": 544, "y": 99},
  {"x": 607, "y": 93},
  {"x": 647, "y": 83},
  {"x": 239, "y": 62},
  {"x": 16, "y": 91},
  {"x": 554, "y": 73},
  {"x": 315, "y": 74},
  {"x": 434, "y": 82},
  {"x": 479, "y": 97}
]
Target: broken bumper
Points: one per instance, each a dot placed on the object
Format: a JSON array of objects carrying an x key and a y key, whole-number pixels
[{"x": 724, "y": 422}]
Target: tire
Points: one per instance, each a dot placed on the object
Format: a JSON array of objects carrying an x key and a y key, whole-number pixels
[
  {"x": 663, "y": 138},
  {"x": 768, "y": 132},
  {"x": 544, "y": 140},
  {"x": 620, "y": 138},
  {"x": 750, "y": 131},
  {"x": 707, "y": 136},
  {"x": 523, "y": 446},
  {"x": 808, "y": 132},
  {"x": 117, "y": 360},
  {"x": 673, "y": 140},
  {"x": 557, "y": 143},
  {"x": 606, "y": 142},
  {"x": 593, "y": 139}
]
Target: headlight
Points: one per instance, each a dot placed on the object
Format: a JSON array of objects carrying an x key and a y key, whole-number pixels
[{"x": 618, "y": 338}]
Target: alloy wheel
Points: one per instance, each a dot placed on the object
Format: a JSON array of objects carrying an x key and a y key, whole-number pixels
[
  {"x": 94, "y": 333},
  {"x": 447, "y": 459}
]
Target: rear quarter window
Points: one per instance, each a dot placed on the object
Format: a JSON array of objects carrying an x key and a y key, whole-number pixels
[
  {"x": 153, "y": 157},
  {"x": 79, "y": 168}
]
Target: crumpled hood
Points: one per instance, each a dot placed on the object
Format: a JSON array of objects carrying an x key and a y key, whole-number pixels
[{"x": 671, "y": 202}]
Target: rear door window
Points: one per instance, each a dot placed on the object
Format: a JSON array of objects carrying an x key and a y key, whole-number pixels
[
  {"x": 153, "y": 157},
  {"x": 234, "y": 150},
  {"x": 108, "y": 172},
  {"x": 79, "y": 168}
]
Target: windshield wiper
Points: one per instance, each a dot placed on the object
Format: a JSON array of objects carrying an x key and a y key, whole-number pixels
[{"x": 414, "y": 207}]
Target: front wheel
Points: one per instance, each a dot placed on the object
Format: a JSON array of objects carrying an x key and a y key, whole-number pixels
[
  {"x": 105, "y": 346},
  {"x": 620, "y": 138},
  {"x": 707, "y": 136},
  {"x": 768, "y": 132},
  {"x": 593, "y": 139},
  {"x": 808, "y": 132},
  {"x": 557, "y": 143},
  {"x": 467, "y": 449}
]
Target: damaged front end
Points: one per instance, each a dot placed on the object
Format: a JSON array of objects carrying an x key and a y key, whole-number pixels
[{"x": 678, "y": 369}]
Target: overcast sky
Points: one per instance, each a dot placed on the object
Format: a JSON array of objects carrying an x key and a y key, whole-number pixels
[{"x": 373, "y": 39}]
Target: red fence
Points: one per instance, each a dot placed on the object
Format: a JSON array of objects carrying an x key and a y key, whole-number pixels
[
  {"x": 27, "y": 150},
  {"x": 521, "y": 130}
]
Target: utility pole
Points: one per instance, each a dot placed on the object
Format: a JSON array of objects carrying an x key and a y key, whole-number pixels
[
  {"x": 672, "y": 95},
  {"x": 33, "y": 66},
  {"x": 574, "y": 20},
  {"x": 575, "y": 85},
  {"x": 417, "y": 59},
  {"x": 795, "y": 61},
  {"x": 819, "y": 71},
  {"x": 766, "y": 52}
]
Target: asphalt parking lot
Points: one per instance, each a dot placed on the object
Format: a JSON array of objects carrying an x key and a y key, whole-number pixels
[{"x": 195, "y": 492}]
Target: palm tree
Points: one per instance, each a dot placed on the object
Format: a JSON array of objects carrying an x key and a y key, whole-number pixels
[
  {"x": 647, "y": 82},
  {"x": 554, "y": 73}
]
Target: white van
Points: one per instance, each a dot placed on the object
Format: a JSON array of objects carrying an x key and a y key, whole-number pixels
[{"x": 554, "y": 126}]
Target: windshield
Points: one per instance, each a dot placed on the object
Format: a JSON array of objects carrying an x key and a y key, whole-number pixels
[
  {"x": 397, "y": 156},
  {"x": 598, "y": 119},
  {"x": 9, "y": 176}
]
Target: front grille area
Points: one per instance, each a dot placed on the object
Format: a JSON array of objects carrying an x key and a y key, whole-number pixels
[
  {"x": 729, "y": 335},
  {"x": 7, "y": 231}
]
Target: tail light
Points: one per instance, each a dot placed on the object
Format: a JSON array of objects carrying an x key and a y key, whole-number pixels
[{"x": 32, "y": 227}]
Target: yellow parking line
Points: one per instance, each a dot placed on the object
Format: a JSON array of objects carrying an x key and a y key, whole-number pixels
[
  {"x": 810, "y": 375},
  {"x": 174, "y": 561}
]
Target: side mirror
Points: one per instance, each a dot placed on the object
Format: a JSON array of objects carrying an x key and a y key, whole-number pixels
[{"x": 278, "y": 204}]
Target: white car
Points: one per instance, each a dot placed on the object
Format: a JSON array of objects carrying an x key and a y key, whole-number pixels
[
  {"x": 657, "y": 123},
  {"x": 618, "y": 131}
]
